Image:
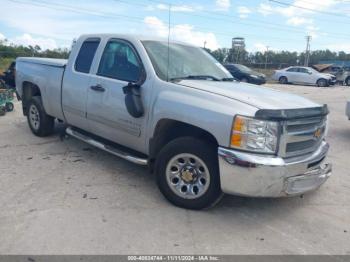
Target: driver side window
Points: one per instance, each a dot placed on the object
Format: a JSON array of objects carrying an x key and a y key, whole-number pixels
[
  {"x": 119, "y": 61},
  {"x": 303, "y": 70}
]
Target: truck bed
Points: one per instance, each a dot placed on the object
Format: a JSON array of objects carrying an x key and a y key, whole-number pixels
[
  {"x": 44, "y": 61},
  {"x": 46, "y": 73}
]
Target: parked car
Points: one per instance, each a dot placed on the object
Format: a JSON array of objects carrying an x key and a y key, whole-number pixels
[
  {"x": 342, "y": 73},
  {"x": 171, "y": 107},
  {"x": 347, "y": 110},
  {"x": 343, "y": 77},
  {"x": 245, "y": 74},
  {"x": 303, "y": 75}
]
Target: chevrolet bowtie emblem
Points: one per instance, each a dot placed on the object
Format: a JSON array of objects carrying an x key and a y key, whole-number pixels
[{"x": 318, "y": 133}]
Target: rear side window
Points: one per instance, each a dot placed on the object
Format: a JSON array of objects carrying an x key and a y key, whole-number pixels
[
  {"x": 303, "y": 70},
  {"x": 293, "y": 69},
  {"x": 231, "y": 68},
  {"x": 86, "y": 55}
]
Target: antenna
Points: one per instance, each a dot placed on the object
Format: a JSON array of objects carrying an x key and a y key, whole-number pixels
[{"x": 167, "y": 70}]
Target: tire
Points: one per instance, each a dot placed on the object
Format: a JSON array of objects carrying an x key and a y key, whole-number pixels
[
  {"x": 2, "y": 111},
  {"x": 347, "y": 81},
  {"x": 283, "y": 80},
  {"x": 244, "y": 80},
  {"x": 39, "y": 122},
  {"x": 9, "y": 107},
  {"x": 2, "y": 84},
  {"x": 322, "y": 82},
  {"x": 205, "y": 167}
]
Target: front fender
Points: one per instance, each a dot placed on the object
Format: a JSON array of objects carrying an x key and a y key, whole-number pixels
[{"x": 210, "y": 112}]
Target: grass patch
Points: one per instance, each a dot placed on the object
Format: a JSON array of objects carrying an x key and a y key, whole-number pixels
[{"x": 4, "y": 64}]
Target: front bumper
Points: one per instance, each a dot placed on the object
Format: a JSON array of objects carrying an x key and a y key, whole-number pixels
[
  {"x": 332, "y": 81},
  {"x": 255, "y": 175},
  {"x": 257, "y": 81}
]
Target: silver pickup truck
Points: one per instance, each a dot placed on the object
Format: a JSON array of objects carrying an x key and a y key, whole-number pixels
[{"x": 174, "y": 108}]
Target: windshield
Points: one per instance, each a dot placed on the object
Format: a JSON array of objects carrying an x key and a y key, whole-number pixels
[
  {"x": 184, "y": 62},
  {"x": 243, "y": 68}
]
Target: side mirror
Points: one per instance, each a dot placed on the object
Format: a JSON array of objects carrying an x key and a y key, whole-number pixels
[{"x": 133, "y": 100}]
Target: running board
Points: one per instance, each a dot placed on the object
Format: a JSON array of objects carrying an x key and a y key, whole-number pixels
[{"x": 107, "y": 148}]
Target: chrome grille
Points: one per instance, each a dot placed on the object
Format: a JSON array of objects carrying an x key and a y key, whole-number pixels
[{"x": 302, "y": 136}]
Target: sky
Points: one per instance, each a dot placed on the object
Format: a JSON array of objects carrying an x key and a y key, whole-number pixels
[{"x": 274, "y": 24}]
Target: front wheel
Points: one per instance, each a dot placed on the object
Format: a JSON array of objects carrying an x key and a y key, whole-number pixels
[
  {"x": 188, "y": 174},
  {"x": 39, "y": 122},
  {"x": 9, "y": 107},
  {"x": 322, "y": 82}
]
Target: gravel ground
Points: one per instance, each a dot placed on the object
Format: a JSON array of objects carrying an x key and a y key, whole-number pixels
[{"x": 65, "y": 197}]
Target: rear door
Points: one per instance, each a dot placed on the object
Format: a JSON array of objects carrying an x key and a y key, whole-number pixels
[
  {"x": 77, "y": 81},
  {"x": 106, "y": 110},
  {"x": 292, "y": 74}
]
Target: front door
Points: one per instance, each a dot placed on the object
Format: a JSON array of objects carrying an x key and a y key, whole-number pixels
[
  {"x": 304, "y": 76},
  {"x": 106, "y": 111}
]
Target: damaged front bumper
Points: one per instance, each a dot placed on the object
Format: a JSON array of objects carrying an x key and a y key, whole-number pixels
[{"x": 254, "y": 175}]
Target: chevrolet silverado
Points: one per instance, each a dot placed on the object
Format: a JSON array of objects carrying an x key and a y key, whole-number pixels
[{"x": 173, "y": 107}]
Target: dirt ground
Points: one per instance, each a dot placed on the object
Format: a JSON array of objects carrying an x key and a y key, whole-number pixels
[{"x": 65, "y": 197}]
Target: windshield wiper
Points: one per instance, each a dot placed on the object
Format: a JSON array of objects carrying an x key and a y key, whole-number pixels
[{"x": 196, "y": 77}]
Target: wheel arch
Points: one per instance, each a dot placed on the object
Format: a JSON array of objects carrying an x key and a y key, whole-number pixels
[
  {"x": 29, "y": 90},
  {"x": 167, "y": 130},
  {"x": 282, "y": 76},
  {"x": 321, "y": 78}
]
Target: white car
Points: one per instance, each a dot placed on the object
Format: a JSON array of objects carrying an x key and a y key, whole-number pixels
[{"x": 303, "y": 75}]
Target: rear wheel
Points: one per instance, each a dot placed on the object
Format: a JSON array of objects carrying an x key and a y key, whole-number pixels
[
  {"x": 39, "y": 122},
  {"x": 2, "y": 110},
  {"x": 283, "y": 80},
  {"x": 322, "y": 82},
  {"x": 188, "y": 174},
  {"x": 9, "y": 107}
]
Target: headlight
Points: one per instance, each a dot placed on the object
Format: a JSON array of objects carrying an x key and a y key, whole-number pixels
[
  {"x": 254, "y": 135},
  {"x": 253, "y": 76}
]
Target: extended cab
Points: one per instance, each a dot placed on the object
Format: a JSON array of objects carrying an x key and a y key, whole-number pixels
[{"x": 173, "y": 107}]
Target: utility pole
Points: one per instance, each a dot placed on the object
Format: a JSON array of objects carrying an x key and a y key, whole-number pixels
[
  {"x": 205, "y": 42},
  {"x": 307, "y": 51},
  {"x": 266, "y": 55}
]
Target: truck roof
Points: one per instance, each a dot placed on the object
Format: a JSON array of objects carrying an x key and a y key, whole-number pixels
[{"x": 132, "y": 37}]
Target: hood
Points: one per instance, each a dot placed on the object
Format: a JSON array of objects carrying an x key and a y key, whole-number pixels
[
  {"x": 257, "y": 74},
  {"x": 257, "y": 96},
  {"x": 327, "y": 75}
]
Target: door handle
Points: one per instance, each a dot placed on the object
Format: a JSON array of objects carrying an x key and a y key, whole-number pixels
[{"x": 98, "y": 88}]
